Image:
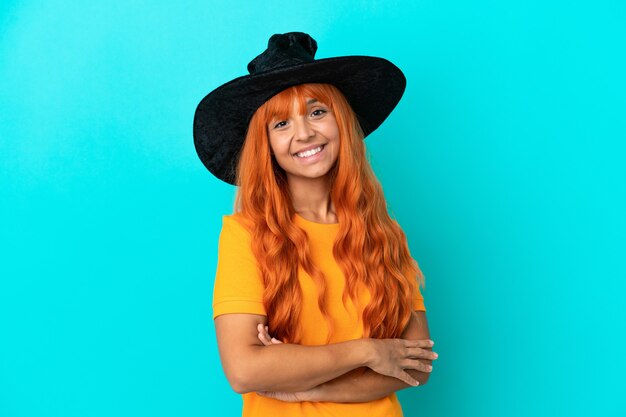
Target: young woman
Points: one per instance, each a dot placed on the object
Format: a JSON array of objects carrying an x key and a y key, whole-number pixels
[{"x": 317, "y": 307}]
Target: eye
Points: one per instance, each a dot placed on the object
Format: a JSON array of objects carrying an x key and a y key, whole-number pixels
[
  {"x": 280, "y": 124},
  {"x": 318, "y": 112}
]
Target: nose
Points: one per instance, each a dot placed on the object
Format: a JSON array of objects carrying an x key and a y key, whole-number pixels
[{"x": 303, "y": 130}]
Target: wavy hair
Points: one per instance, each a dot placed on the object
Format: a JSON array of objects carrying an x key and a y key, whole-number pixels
[{"x": 370, "y": 247}]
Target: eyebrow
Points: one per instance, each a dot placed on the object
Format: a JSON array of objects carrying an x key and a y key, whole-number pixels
[{"x": 311, "y": 101}]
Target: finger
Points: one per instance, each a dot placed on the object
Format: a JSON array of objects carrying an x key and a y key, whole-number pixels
[
  {"x": 417, "y": 365},
  {"x": 260, "y": 328},
  {"x": 408, "y": 379},
  {"x": 264, "y": 340},
  {"x": 276, "y": 341},
  {"x": 420, "y": 353},
  {"x": 280, "y": 396},
  {"x": 421, "y": 343}
]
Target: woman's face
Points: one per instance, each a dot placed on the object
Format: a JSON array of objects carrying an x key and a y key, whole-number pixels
[{"x": 305, "y": 146}]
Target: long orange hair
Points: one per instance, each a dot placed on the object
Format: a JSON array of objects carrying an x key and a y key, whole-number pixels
[{"x": 370, "y": 248}]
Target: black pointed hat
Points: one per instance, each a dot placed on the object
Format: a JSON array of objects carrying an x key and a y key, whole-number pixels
[{"x": 373, "y": 87}]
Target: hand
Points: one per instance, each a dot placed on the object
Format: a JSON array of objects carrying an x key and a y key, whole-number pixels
[
  {"x": 392, "y": 357},
  {"x": 291, "y": 397},
  {"x": 266, "y": 339}
]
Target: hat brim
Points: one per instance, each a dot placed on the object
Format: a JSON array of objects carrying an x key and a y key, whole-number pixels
[{"x": 373, "y": 87}]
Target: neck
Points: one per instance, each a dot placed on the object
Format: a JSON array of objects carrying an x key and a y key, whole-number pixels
[{"x": 311, "y": 199}]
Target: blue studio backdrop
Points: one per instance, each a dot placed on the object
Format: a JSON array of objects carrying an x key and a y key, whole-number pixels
[{"x": 503, "y": 163}]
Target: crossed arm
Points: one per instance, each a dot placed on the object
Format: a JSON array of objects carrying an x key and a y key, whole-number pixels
[{"x": 352, "y": 371}]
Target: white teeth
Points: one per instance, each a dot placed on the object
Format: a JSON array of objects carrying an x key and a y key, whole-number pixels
[{"x": 308, "y": 153}]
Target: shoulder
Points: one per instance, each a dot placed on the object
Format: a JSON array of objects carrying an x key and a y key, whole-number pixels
[
  {"x": 236, "y": 222},
  {"x": 235, "y": 243},
  {"x": 235, "y": 229}
]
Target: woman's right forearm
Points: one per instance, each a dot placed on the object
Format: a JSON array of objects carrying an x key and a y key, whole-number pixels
[{"x": 292, "y": 367}]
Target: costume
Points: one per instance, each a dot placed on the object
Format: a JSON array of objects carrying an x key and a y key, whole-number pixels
[
  {"x": 239, "y": 289},
  {"x": 372, "y": 85}
]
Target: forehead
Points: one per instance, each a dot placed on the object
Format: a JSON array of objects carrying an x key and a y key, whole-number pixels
[{"x": 289, "y": 102}]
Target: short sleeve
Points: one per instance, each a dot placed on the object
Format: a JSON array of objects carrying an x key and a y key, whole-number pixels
[
  {"x": 238, "y": 286},
  {"x": 418, "y": 301}
]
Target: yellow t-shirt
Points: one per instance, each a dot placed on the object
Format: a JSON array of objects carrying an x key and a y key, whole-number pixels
[{"x": 239, "y": 289}]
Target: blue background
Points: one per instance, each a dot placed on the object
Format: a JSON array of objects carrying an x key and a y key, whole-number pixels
[{"x": 504, "y": 164}]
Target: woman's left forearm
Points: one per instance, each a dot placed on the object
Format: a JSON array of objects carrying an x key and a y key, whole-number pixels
[{"x": 362, "y": 385}]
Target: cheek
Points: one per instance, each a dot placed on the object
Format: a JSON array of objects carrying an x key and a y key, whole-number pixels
[
  {"x": 280, "y": 152},
  {"x": 335, "y": 153},
  {"x": 279, "y": 146},
  {"x": 275, "y": 148},
  {"x": 332, "y": 132}
]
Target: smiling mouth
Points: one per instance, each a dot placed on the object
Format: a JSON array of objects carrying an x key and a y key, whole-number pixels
[{"x": 310, "y": 152}]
